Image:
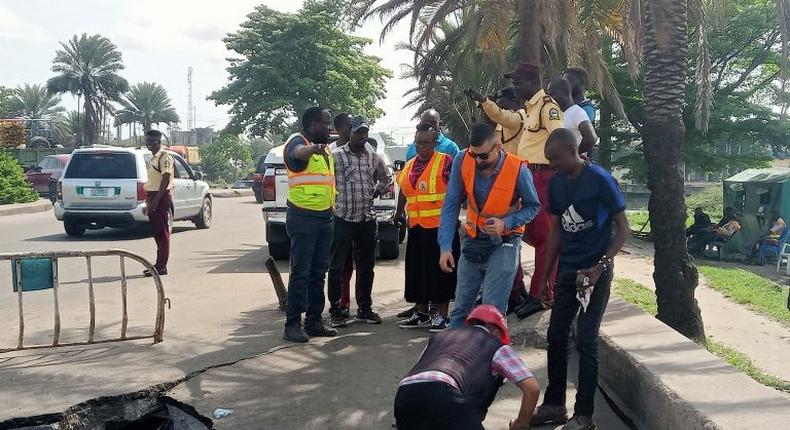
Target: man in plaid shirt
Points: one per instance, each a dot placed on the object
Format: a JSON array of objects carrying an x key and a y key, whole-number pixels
[{"x": 360, "y": 177}]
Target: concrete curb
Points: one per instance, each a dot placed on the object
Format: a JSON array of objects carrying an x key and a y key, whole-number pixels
[
  {"x": 663, "y": 381},
  {"x": 41, "y": 205},
  {"x": 222, "y": 193}
]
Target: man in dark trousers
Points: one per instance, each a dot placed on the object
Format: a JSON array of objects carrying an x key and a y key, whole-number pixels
[
  {"x": 311, "y": 199},
  {"x": 459, "y": 374},
  {"x": 361, "y": 177},
  {"x": 342, "y": 124},
  {"x": 158, "y": 200},
  {"x": 584, "y": 204}
]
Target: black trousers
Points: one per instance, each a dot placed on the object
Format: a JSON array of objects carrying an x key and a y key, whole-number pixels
[
  {"x": 362, "y": 236},
  {"x": 565, "y": 308},
  {"x": 433, "y": 406}
]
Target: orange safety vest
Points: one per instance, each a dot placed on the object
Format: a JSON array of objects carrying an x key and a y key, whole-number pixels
[
  {"x": 424, "y": 202},
  {"x": 502, "y": 199}
]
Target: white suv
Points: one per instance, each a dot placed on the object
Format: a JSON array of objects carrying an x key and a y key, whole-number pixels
[
  {"x": 103, "y": 187},
  {"x": 274, "y": 190}
]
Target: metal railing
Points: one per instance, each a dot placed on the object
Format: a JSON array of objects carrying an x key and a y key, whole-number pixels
[{"x": 17, "y": 263}]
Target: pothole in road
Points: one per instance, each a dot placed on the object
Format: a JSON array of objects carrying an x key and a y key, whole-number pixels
[{"x": 138, "y": 411}]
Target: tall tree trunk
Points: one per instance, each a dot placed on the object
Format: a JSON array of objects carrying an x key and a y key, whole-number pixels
[
  {"x": 675, "y": 275},
  {"x": 91, "y": 121},
  {"x": 605, "y": 132},
  {"x": 529, "y": 30}
]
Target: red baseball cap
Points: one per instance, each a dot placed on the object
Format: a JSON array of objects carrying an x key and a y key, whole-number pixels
[{"x": 490, "y": 314}]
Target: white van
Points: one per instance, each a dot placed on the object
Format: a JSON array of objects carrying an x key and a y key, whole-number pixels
[
  {"x": 274, "y": 190},
  {"x": 103, "y": 187}
]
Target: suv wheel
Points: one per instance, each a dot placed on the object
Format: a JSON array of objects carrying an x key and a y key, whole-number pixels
[
  {"x": 203, "y": 220},
  {"x": 53, "y": 191},
  {"x": 74, "y": 229},
  {"x": 280, "y": 250},
  {"x": 389, "y": 250}
]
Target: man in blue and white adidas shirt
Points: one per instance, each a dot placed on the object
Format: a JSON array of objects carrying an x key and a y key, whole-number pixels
[{"x": 585, "y": 203}]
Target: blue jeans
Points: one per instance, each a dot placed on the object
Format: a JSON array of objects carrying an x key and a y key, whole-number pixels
[
  {"x": 495, "y": 277},
  {"x": 310, "y": 237},
  {"x": 565, "y": 308}
]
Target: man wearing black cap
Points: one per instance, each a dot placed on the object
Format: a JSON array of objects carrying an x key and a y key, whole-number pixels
[
  {"x": 543, "y": 115},
  {"x": 360, "y": 176}
]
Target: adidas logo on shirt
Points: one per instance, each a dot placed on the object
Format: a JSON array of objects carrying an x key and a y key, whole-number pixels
[{"x": 572, "y": 222}]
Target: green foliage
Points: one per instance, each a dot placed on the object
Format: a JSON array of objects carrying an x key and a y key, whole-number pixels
[
  {"x": 226, "y": 159},
  {"x": 259, "y": 146},
  {"x": 34, "y": 102},
  {"x": 285, "y": 63},
  {"x": 744, "y": 287},
  {"x": 6, "y": 95},
  {"x": 637, "y": 294},
  {"x": 146, "y": 103},
  {"x": 711, "y": 201},
  {"x": 742, "y": 362},
  {"x": 14, "y": 186}
]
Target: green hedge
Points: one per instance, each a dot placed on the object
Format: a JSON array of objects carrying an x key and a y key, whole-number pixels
[{"x": 14, "y": 186}]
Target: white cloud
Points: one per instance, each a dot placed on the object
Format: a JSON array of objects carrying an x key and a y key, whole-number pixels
[{"x": 15, "y": 28}]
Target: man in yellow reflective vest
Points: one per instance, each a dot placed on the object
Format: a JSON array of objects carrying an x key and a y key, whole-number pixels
[{"x": 311, "y": 199}]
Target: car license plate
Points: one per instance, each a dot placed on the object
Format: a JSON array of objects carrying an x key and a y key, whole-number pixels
[{"x": 97, "y": 192}]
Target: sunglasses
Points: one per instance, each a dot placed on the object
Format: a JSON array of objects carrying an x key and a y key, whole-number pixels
[{"x": 484, "y": 155}]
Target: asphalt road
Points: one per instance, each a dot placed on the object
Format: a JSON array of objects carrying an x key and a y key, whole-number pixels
[{"x": 223, "y": 314}]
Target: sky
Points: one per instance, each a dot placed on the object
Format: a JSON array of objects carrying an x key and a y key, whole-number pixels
[{"x": 160, "y": 39}]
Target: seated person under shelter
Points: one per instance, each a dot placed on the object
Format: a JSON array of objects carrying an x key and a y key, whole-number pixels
[{"x": 727, "y": 226}]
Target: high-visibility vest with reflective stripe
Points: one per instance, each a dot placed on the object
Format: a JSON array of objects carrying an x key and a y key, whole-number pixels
[
  {"x": 424, "y": 201},
  {"x": 314, "y": 187},
  {"x": 501, "y": 201}
]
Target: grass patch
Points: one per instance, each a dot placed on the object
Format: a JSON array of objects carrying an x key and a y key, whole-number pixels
[
  {"x": 741, "y": 286},
  {"x": 741, "y": 362},
  {"x": 636, "y": 219},
  {"x": 637, "y": 294},
  {"x": 643, "y": 297}
]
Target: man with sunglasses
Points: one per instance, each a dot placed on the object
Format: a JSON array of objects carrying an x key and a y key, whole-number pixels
[{"x": 501, "y": 199}]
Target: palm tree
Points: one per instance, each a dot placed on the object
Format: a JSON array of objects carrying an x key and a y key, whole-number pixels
[
  {"x": 88, "y": 66},
  {"x": 33, "y": 101},
  {"x": 146, "y": 103},
  {"x": 665, "y": 64}
]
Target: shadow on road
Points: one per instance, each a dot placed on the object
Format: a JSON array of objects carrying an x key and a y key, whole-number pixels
[{"x": 106, "y": 234}]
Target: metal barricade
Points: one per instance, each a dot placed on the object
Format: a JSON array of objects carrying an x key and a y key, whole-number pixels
[{"x": 44, "y": 272}]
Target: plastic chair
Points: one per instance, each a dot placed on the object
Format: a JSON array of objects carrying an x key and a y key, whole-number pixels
[
  {"x": 783, "y": 256},
  {"x": 770, "y": 247}
]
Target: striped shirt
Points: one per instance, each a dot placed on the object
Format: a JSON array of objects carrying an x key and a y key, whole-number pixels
[
  {"x": 506, "y": 363},
  {"x": 357, "y": 177}
]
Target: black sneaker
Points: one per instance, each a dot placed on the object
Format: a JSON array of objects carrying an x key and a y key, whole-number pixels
[
  {"x": 338, "y": 319},
  {"x": 438, "y": 324},
  {"x": 368, "y": 316},
  {"x": 407, "y": 313},
  {"x": 295, "y": 334},
  {"x": 147, "y": 273},
  {"x": 318, "y": 329},
  {"x": 532, "y": 306},
  {"x": 418, "y": 320}
]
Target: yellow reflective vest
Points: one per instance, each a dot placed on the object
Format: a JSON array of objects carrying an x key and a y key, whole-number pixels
[{"x": 314, "y": 187}]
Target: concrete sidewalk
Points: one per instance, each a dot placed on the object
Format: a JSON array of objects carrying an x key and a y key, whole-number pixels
[
  {"x": 765, "y": 341},
  {"x": 40, "y": 205}
]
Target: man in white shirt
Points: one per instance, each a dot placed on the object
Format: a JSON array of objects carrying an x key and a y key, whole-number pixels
[{"x": 575, "y": 118}]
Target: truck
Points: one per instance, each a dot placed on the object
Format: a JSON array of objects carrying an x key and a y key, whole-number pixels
[{"x": 189, "y": 153}]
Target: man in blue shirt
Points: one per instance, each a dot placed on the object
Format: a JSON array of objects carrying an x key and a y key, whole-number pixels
[
  {"x": 577, "y": 76},
  {"x": 444, "y": 144},
  {"x": 585, "y": 203},
  {"x": 490, "y": 253}
]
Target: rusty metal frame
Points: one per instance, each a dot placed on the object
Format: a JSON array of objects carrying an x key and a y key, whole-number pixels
[{"x": 159, "y": 325}]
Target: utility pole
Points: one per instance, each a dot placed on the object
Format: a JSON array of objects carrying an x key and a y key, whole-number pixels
[{"x": 190, "y": 105}]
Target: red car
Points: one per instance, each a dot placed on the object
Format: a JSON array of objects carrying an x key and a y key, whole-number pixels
[{"x": 45, "y": 175}]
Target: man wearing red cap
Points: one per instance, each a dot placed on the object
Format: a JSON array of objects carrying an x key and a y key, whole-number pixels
[
  {"x": 458, "y": 375},
  {"x": 543, "y": 115}
]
